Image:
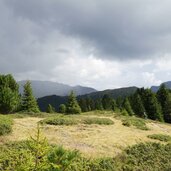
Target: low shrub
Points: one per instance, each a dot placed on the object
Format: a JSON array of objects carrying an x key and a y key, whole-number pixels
[
  {"x": 5, "y": 125},
  {"x": 99, "y": 121},
  {"x": 146, "y": 156},
  {"x": 59, "y": 121},
  {"x": 124, "y": 113},
  {"x": 35, "y": 154},
  {"x": 138, "y": 123},
  {"x": 126, "y": 123},
  {"x": 160, "y": 137}
]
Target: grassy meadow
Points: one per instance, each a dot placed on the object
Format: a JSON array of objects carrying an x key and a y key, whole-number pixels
[
  {"x": 94, "y": 134},
  {"x": 92, "y": 141}
]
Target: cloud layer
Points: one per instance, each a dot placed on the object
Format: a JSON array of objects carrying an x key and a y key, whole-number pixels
[{"x": 104, "y": 44}]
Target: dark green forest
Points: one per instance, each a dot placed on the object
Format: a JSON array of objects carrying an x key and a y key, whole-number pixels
[{"x": 133, "y": 101}]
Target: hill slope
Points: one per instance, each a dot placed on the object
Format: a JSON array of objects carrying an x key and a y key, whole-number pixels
[
  {"x": 167, "y": 84},
  {"x": 46, "y": 88},
  {"x": 55, "y": 101},
  {"x": 114, "y": 93}
]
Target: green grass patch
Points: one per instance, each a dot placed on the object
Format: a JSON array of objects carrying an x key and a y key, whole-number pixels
[
  {"x": 96, "y": 120},
  {"x": 136, "y": 122},
  {"x": 5, "y": 125},
  {"x": 99, "y": 113},
  {"x": 75, "y": 119},
  {"x": 160, "y": 137},
  {"x": 59, "y": 121}
]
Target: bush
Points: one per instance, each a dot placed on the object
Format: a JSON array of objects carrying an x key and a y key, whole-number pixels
[
  {"x": 146, "y": 156},
  {"x": 61, "y": 158},
  {"x": 35, "y": 154},
  {"x": 59, "y": 121},
  {"x": 124, "y": 113},
  {"x": 50, "y": 109},
  {"x": 138, "y": 123},
  {"x": 126, "y": 123},
  {"x": 5, "y": 125},
  {"x": 62, "y": 108},
  {"x": 99, "y": 121},
  {"x": 160, "y": 137}
]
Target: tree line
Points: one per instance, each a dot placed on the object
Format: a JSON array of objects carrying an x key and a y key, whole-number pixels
[
  {"x": 12, "y": 101},
  {"x": 143, "y": 103}
]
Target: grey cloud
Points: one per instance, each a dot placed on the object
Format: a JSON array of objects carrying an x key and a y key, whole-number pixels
[
  {"x": 116, "y": 29},
  {"x": 52, "y": 39}
]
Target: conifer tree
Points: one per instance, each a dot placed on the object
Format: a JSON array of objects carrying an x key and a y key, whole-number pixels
[
  {"x": 167, "y": 109},
  {"x": 90, "y": 104},
  {"x": 127, "y": 106},
  {"x": 83, "y": 104},
  {"x": 119, "y": 103},
  {"x": 98, "y": 104},
  {"x": 162, "y": 95},
  {"x": 62, "y": 108},
  {"x": 114, "y": 105},
  {"x": 9, "y": 94},
  {"x": 152, "y": 107},
  {"x": 50, "y": 109},
  {"x": 138, "y": 106},
  {"x": 72, "y": 105},
  {"x": 29, "y": 103},
  {"x": 107, "y": 102}
]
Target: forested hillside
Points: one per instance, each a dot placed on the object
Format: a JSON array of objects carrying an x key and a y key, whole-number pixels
[{"x": 57, "y": 100}]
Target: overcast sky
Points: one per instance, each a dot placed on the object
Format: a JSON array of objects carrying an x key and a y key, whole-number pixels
[{"x": 97, "y": 43}]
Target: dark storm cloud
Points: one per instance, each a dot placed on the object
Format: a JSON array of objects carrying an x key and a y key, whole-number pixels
[
  {"x": 115, "y": 29},
  {"x": 105, "y": 40}
]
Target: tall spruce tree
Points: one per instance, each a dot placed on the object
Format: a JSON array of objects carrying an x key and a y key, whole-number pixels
[
  {"x": 127, "y": 107},
  {"x": 119, "y": 103},
  {"x": 98, "y": 104},
  {"x": 137, "y": 106},
  {"x": 107, "y": 102},
  {"x": 113, "y": 104},
  {"x": 162, "y": 95},
  {"x": 72, "y": 106},
  {"x": 167, "y": 109},
  {"x": 90, "y": 104},
  {"x": 83, "y": 104},
  {"x": 9, "y": 94},
  {"x": 152, "y": 107},
  {"x": 29, "y": 103}
]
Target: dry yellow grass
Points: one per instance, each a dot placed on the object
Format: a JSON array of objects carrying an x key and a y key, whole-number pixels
[{"x": 91, "y": 140}]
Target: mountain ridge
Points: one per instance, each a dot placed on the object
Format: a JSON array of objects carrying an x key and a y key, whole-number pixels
[
  {"x": 47, "y": 88},
  {"x": 55, "y": 101},
  {"x": 167, "y": 84}
]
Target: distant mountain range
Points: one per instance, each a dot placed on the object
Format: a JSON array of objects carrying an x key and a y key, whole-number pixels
[
  {"x": 55, "y": 101},
  {"x": 47, "y": 88},
  {"x": 167, "y": 84},
  {"x": 55, "y": 93}
]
